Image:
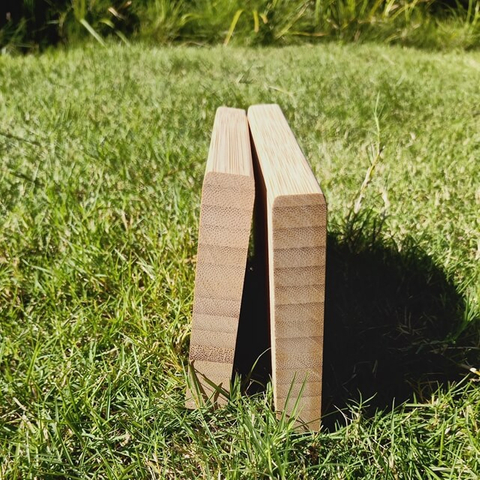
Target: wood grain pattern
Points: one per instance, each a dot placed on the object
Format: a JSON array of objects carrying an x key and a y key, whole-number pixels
[
  {"x": 224, "y": 231},
  {"x": 296, "y": 230}
]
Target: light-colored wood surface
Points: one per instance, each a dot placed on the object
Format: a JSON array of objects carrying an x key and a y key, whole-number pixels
[
  {"x": 296, "y": 230},
  {"x": 225, "y": 221}
]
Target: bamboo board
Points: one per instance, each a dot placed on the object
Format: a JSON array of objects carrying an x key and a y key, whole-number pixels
[
  {"x": 296, "y": 238},
  {"x": 225, "y": 220}
]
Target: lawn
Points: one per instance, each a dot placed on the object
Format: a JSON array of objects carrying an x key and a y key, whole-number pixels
[{"x": 102, "y": 154}]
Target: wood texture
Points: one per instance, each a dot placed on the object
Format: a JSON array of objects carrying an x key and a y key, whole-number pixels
[
  {"x": 296, "y": 230},
  {"x": 225, "y": 221}
]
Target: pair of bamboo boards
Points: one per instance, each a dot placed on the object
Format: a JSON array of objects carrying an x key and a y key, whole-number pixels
[{"x": 296, "y": 219}]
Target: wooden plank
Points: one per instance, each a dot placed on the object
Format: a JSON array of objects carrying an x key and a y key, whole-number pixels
[
  {"x": 225, "y": 220},
  {"x": 296, "y": 229}
]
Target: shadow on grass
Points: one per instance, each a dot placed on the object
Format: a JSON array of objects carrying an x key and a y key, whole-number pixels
[{"x": 394, "y": 324}]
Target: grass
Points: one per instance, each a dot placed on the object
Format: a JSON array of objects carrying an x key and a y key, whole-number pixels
[
  {"x": 102, "y": 158},
  {"x": 431, "y": 24}
]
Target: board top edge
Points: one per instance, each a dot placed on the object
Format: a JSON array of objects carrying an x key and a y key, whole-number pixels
[
  {"x": 283, "y": 165},
  {"x": 230, "y": 149}
]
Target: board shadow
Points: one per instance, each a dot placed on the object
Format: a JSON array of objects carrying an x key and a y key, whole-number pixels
[{"x": 394, "y": 326}]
